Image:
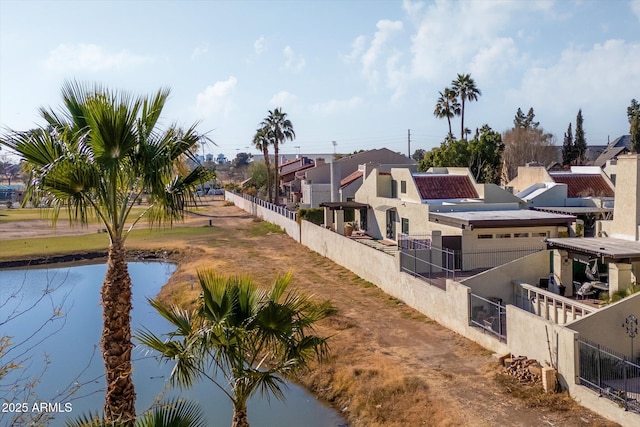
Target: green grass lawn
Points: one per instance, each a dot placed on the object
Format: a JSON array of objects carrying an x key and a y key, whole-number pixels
[
  {"x": 30, "y": 214},
  {"x": 142, "y": 238}
]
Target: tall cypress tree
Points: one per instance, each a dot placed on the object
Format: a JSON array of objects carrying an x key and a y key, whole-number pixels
[
  {"x": 633, "y": 113},
  {"x": 580, "y": 142},
  {"x": 568, "y": 148}
]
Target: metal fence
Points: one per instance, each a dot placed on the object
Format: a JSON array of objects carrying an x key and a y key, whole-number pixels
[
  {"x": 271, "y": 206},
  {"x": 489, "y": 314},
  {"x": 420, "y": 259},
  {"x": 611, "y": 374}
]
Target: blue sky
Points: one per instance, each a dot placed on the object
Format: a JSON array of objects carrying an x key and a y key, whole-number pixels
[{"x": 360, "y": 73}]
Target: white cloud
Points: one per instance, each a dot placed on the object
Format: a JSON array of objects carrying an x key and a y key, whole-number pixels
[
  {"x": 283, "y": 99},
  {"x": 635, "y": 7},
  {"x": 90, "y": 57},
  {"x": 336, "y": 106},
  {"x": 492, "y": 61},
  {"x": 292, "y": 61},
  {"x": 357, "y": 47},
  {"x": 449, "y": 36},
  {"x": 216, "y": 99},
  {"x": 584, "y": 77},
  {"x": 386, "y": 30},
  {"x": 260, "y": 45},
  {"x": 200, "y": 50}
]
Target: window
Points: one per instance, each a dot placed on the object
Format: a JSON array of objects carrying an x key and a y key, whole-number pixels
[
  {"x": 394, "y": 188},
  {"x": 405, "y": 225},
  {"x": 403, "y": 187},
  {"x": 540, "y": 234},
  {"x": 516, "y": 235},
  {"x": 503, "y": 236},
  {"x": 485, "y": 236}
]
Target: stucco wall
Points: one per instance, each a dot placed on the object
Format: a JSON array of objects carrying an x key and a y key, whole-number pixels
[
  {"x": 605, "y": 326},
  {"x": 497, "y": 282},
  {"x": 290, "y": 226}
]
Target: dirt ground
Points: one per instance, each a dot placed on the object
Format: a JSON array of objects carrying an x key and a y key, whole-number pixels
[{"x": 390, "y": 366}]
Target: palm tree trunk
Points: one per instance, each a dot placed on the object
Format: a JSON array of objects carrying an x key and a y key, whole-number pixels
[
  {"x": 116, "y": 337},
  {"x": 240, "y": 417},
  {"x": 449, "y": 120},
  {"x": 267, "y": 163},
  {"x": 276, "y": 183},
  {"x": 462, "y": 134}
]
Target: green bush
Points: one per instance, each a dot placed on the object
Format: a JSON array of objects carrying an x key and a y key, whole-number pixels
[{"x": 314, "y": 215}]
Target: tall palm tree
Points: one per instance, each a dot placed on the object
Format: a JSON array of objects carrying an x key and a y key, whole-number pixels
[
  {"x": 98, "y": 157},
  {"x": 447, "y": 106},
  {"x": 252, "y": 337},
  {"x": 465, "y": 88},
  {"x": 261, "y": 142},
  {"x": 279, "y": 129}
]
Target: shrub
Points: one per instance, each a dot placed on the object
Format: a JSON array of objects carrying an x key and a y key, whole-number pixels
[{"x": 314, "y": 215}]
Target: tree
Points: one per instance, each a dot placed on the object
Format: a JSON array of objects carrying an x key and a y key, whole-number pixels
[
  {"x": 261, "y": 141},
  {"x": 253, "y": 337},
  {"x": 526, "y": 142},
  {"x": 568, "y": 148},
  {"x": 447, "y": 106},
  {"x": 465, "y": 88},
  {"x": 482, "y": 155},
  {"x": 279, "y": 129},
  {"x": 242, "y": 159},
  {"x": 9, "y": 170},
  {"x": 418, "y": 154},
  {"x": 580, "y": 141},
  {"x": 98, "y": 157},
  {"x": 486, "y": 156},
  {"x": 633, "y": 114}
]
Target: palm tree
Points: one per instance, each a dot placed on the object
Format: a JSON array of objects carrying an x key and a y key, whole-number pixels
[
  {"x": 279, "y": 129},
  {"x": 254, "y": 338},
  {"x": 98, "y": 157},
  {"x": 175, "y": 413},
  {"x": 261, "y": 142},
  {"x": 465, "y": 88},
  {"x": 447, "y": 106}
]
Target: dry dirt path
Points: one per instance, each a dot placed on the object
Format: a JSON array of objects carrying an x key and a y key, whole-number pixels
[{"x": 391, "y": 366}]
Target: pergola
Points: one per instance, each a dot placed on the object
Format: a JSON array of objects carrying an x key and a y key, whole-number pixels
[
  {"x": 334, "y": 214},
  {"x": 620, "y": 255}
]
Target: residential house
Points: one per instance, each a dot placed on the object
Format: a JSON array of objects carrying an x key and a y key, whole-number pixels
[
  {"x": 322, "y": 183},
  {"x": 454, "y": 213},
  {"x": 583, "y": 191},
  {"x": 287, "y": 176},
  {"x": 607, "y": 159}
]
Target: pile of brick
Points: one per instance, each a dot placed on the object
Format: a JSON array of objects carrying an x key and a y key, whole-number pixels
[
  {"x": 526, "y": 370},
  {"x": 529, "y": 371}
]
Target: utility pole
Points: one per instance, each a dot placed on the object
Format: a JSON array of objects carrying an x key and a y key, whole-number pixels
[{"x": 409, "y": 143}]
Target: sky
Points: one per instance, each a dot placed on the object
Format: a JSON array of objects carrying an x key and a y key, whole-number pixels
[{"x": 365, "y": 74}]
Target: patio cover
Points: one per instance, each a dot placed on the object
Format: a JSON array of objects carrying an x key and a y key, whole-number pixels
[
  {"x": 607, "y": 248},
  {"x": 339, "y": 206}
]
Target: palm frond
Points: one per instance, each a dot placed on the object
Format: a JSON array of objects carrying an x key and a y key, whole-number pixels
[{"x": 175, "y": 413}]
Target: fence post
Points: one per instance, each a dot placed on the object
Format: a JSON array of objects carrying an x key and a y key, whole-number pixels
[
  {"x": 626, "y": 386},
  {"x": 599, "y": 373}
]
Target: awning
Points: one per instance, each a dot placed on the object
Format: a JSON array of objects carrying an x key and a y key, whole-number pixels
[{"x": 338, "y": 206}]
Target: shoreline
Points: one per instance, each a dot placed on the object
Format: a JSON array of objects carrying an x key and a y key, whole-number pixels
[{"x": 134, "y": 255}]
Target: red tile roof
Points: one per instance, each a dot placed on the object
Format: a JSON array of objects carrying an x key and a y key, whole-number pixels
[
  {"x": 350, "y": 178},
  {"x": 583, "y": 185},
  {"x": 445, "y": 187}
]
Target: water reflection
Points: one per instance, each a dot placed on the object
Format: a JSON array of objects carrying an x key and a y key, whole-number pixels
[{"x": 64, "y": 327}]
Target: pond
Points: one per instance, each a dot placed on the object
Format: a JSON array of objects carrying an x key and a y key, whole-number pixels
[{"x": 62, "y": 329}]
